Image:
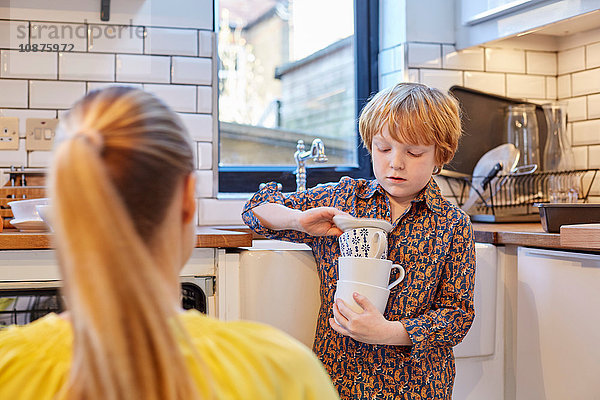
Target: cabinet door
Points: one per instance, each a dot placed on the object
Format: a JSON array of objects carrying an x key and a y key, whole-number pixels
[
  {"x": 558, "y": 325},
  {"x": 480, "y": 22}
]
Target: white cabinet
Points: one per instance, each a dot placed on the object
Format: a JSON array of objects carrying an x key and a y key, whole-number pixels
[
  {"x": 480, "y": 22},
  {"x": 558, "y": 325}
]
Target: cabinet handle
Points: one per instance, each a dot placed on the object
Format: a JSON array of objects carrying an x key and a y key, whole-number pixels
[{"x": 595, "y": 258}]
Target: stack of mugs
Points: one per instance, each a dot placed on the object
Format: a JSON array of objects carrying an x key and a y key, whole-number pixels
[{"x": 363, "y": 266}]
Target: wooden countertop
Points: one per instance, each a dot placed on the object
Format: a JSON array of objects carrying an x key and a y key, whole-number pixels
[
  {"x": 518, "y": 234},
  {"x": 11, "y": 239},
  {"x": 522, "y": 234}
]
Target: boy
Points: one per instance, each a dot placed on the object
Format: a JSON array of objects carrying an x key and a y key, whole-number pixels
[{"x": 411, "y": 131}]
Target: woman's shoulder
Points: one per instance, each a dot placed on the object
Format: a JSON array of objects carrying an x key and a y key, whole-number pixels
[
  {"x": 264, "y": 339},
  {"x": 36, "y": 356},
  {"x": 258, "y": 357}
]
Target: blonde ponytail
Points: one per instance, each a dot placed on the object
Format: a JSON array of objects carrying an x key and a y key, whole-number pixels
[{"x": 107, "y": 201}]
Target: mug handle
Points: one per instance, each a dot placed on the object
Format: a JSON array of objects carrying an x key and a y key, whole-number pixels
[
  {"x": 381, "y": 245},
  {"x": 397, "y": 281}
]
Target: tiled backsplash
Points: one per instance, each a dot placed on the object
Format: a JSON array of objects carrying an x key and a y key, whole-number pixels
[
  {"x": 175, "y": 63},
  {"x": 565, "y": 69}
]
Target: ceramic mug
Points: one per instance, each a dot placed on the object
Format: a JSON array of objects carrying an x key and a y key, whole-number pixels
[
  {"x": 376, "y": 295},
  {"x": 364, "y": 242},
  {"x": 372, "y": 271}
]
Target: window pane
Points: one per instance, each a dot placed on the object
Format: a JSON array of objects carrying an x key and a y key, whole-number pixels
[{"x": 286, "y": 72}]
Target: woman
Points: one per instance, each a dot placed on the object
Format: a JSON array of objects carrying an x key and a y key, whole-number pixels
[{"x": 122, "y": 189}]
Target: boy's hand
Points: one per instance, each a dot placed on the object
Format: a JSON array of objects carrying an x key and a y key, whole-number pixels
[
  {"x": 370, "y": 326},
  {"x": 319, "y": 221}
]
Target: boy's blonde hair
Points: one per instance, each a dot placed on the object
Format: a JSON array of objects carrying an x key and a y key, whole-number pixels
[{"x": 415, "y": 114}]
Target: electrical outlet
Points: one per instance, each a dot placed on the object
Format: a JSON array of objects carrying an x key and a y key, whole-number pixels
[
  {"x": 40, "y": 133},
  {"x": 9, "y": 133}
]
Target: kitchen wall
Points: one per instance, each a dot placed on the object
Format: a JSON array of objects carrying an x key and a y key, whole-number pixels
[
  {"x": 538, "y": 68},
  {"x": 175, "y": 58},
  {"x": 163, "y": 47}
]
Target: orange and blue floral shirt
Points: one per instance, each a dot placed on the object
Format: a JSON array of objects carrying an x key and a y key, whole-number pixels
[{"x": 433, "y": 241}]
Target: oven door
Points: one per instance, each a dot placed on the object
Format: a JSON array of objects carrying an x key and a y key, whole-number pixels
[
  {"x": 198, "y": 292},
  {"x": 24, "y": 302}
]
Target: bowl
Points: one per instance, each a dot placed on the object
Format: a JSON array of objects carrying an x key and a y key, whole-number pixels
[
  {"x": 24, "y": 210},
  {"x": 44, "y": 212}
]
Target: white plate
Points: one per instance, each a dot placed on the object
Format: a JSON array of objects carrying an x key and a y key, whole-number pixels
[
  {"x": 29, "y": 225},
  {"x": 506, "y": 154},
  {"x": 347, "y": 222}
]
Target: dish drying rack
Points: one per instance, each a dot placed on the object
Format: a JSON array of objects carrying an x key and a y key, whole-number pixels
[{"x": 511, "y": 197}]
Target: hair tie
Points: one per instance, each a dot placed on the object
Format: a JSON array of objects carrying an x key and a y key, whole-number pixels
[{"x": 94, "y": 137}]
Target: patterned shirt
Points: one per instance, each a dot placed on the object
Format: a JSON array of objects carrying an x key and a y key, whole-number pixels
[{"x": 433, "y": 241}]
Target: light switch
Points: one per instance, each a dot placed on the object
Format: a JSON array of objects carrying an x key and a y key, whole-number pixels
[
  {"x": 40, "y": 133},
  {"x": 9, "y": 133}
]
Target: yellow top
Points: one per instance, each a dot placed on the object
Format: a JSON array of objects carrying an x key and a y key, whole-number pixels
[{"x": 245, "y": 360}]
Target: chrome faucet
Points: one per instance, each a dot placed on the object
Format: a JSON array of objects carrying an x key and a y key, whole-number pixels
[{"x": 316, "y": 152}]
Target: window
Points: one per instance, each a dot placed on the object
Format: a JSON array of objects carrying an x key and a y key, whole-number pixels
[{"x": 293, "y": 70}]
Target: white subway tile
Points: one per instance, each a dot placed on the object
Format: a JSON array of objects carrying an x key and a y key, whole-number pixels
[
  {"x": 564, "y": 86},
  {"x": 40, "y": 158},
  {"x": 441, "y": 79},
  {"x": 576, "y": 109},
  {"x": 65, "y": 37},
  {"x": 199, "y": 126},
  {"x": 205, "y": 40},
  {"x": 24, "y": 114},
  {"x": 580, "y": 154},
  {"x": 486, "y": 82},
  {"x": 54, "y": 94},
  {"x": 13, "y": 93},
  {"x": 101, "y": 85},
  {"x": 17, "y": 158},
  {"x": 205, "y": 155},
  {"x": 115, "y": 39},
  {"x": 386, "y": 61},
  {"x": 86, "y": 66},
  {"x": 468, "y": 59},
  {"x": 541, "y": 63},
  {"x": 586, "y": 132},
  {"x": 592, "y": 56},
  {"x": 134, "y": 68},
  {"x": 174, "y": 42},
  {"x": 191, "y": 70},
  {"x": 204, "y": 99},
  {"x": 551, "y": 88},
  {"x": 594, "y": 106},
  {"x": 204, "y": 183},
  {"x": 220, "y": 212},
  {"x": 413, "y": 76},
  {"x": 32, "y": 65},
  {"x": 504, "y": 60},
  {"x": 424, "y": 55},
  {"x": 389, "y": 80},
  {"x": 586, "y": 82},
  {"x": 180, "y": 98},
  {"x": 594, "y": 162},
  {"x": 390, "y": 15},
  {"x": 571, "y": 60},
  {"x": 13, "y": 34},
  {"x": 526, "y": 86}
]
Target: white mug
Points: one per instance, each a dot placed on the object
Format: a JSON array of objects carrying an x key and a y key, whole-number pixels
[
  {"x": 364, "y": 242},
  {"x": 372, "y": 271},
  {"x": 376, "y": 295}
]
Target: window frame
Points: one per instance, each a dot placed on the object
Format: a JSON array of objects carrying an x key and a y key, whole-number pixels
[{"x": 246, "y": 179}]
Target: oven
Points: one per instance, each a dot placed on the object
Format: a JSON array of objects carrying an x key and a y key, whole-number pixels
[{"x": 30, "y": 287}]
